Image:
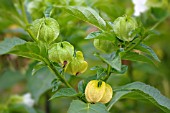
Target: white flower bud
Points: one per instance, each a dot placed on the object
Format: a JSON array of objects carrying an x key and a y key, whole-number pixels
[
  {"x": 27, "y": 100},
  {"x": 139, "y": 7}
]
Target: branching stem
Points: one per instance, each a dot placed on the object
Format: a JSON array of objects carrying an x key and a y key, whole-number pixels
[
  {"x": 62, "y": 79},
  {"x": 24, "y": 12},
  {"x": 108, "y": 73}
]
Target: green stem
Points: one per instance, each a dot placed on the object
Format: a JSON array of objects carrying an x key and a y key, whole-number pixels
[
  {"x": 108, "y": 67},
  {"x": 108, "y": 70},
  {"x": 142, "y": 38},
  {"x": 108, "y": 73},
  {"x": 47, "y": 103},
  {"x": 137, "y": 43},
  {"x": 130, "y": 72},
  {"x": 158, "y": 23},
  {"x": 62, "y": 79},
  {"x": 31, "y": 34},
  {"x": 26, "y": 20},
  {"x": 24, "y": 12}
]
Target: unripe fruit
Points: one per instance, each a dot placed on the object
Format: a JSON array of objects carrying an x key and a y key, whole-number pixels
[
  {"x": 45, "y": 29},
  {"x": 124, "y": 27},
  {"x": 61, "y": 52},
  {"x": 98, "y": 91},
  {"x": 77, "y": 65},
  {"x": 105, "y": 45}
]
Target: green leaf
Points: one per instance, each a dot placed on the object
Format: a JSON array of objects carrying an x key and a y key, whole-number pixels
[
  {"x": 37, "y": 67},
  {"x": 101, "y": 72},
  {"x": 140, "y": 91},
  {"x": 78, "y": 106},
  {"x": 114, "y": 62},
  {"x": 8, "y": 43},
  {"x": 8, "y": 4},
  {"x": 116, "y": 98},
  {"x": 48, "y": 10},
  {"x": 64, "y": 92},
  {"x": 87, "y": 14},
  {"x": 39, "y": 83},
  {"x": 159, "y": 13},
  {"x": 132, "y": 56},
  {"x": 31, "y": 50},
  {"x": 81, "y": 86},
  {"x": 102, "y": 35},
  {"x": 148, "y": 50},
  {"x": 124, "y": 68},
  {"x": 55, "y": 84},
  {"x": 94, "y": 68},
  {"x": 93, "y": 35}
]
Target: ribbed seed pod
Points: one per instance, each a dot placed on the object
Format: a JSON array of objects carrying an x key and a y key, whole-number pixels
[
  {"x": 107, "y": 95},
  {"x": 124, "y": 27},
  {"x": 45, "y": 29},
  {"x": 94, "y": 92},
  {"x": 61, "y": 52},
  {"x": 98, "y": 91}
]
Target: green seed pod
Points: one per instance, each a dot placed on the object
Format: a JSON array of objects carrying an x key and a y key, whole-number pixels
[
  {"x": 98, "y": 91},
  {"x": 124, "y": 27},
  {"x": 45, "y": 29},
  {"x": 77, "y": 65},
  {"x": 61, "y": 52},
  {"x": 105, "y": 45}
]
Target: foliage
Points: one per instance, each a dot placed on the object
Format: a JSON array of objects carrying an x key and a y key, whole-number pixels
[{"x": 60, "y": 58}]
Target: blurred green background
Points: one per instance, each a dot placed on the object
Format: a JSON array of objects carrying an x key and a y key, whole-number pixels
[{"x": 15, "y": 72}]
